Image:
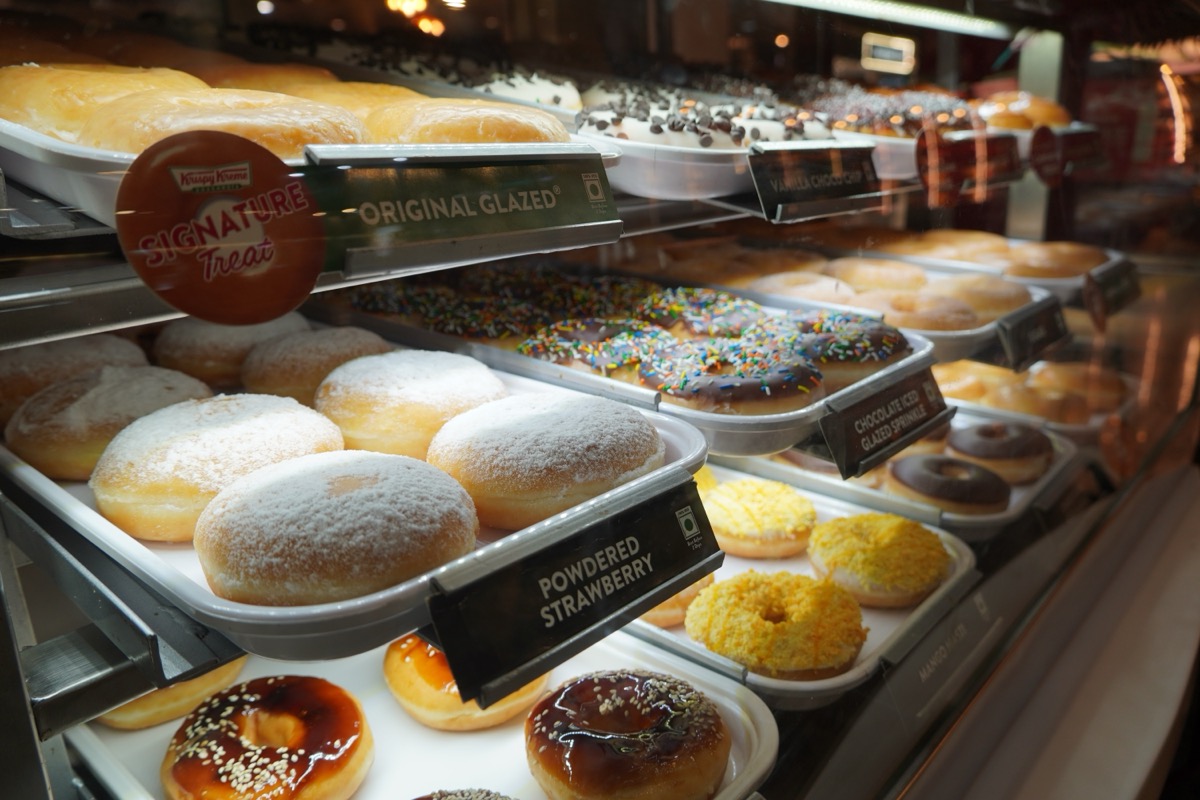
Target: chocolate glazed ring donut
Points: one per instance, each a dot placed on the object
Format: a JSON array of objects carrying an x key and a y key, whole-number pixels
[
  {"x": 955, "y": 485},
  {"x": 1018, "y": 453}
]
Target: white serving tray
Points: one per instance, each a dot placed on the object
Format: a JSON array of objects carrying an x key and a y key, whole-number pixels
[
  {"x": 970, "y": 527},
  {"x": 666, "y": 172},
  {"x": 412, "y": 760},
  {"x": 339, "y": 628},
  {"x": 888, "y": 629}
]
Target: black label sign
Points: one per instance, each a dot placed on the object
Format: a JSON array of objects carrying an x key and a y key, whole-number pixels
[
  {"x": 861, "y": 434},
  {"x": 501, "y": 630},
  {"x": 1081, "y": 148},
  {"x": 1026, "y": 334},
  {"x": 1108, "y": 289},
  {"x": 791, "y": 178}
]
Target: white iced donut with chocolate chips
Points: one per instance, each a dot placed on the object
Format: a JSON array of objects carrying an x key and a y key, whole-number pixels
[{"x": 533, "y": 87}]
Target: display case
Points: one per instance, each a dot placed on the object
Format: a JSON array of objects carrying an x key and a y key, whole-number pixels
[{"x": 721, "y": 147}]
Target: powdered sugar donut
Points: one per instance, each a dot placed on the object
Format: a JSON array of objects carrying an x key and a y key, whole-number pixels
[
  {"x": 214, "y": 353},
  {"x": 331, "y": 526},
  {"x": 527, "y": 457},
  {"x": 395, "y": 402},
  {"x": 63, "y": 429},
  {"x": 159, "y": 473},
  {"x": 293, "y": 365}
]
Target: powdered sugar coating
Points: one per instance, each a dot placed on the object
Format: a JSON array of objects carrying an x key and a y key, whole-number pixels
[
  {"x": 331, "y": 526},
  {"x": 526, "y": 440},
  {"x": 295, "y": 351},
  {"x": 197, "y": 347},
  {"x": 205, "y": 444},
  {"x": 448, "y": 382},
  {"x": 104, "y": 399}
]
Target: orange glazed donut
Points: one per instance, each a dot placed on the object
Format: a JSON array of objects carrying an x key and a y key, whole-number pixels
[
  {"x": 172, "y": 701},
  {"x": 25, "y": 370},
  {"x": 920, "y": 310},
  {"x": 286, "y": 738},
  {"x": 293, "y": 365},
  {"x": 780, "y": 624},
  {"x": 627, "y": 735},
  {"x": 395, "y": 402},
  {"x": 159, "y": 472},
  {"x": 331, "y": 526},
  {"x": 214, "y": 353},
  {"x": 62, "y": 430},
  {"x": 884, "y": 560},
  {"x": 528, "y": 457},
  {"x": 419, "y": 677}
]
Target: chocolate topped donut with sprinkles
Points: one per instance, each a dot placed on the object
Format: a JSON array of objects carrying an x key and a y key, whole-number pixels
[{"x": 698, "y": 312}]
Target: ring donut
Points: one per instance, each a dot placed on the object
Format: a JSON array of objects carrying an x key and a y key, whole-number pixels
[
  {"x": 627, "y": 734},
  {"x": 954, "y": 485},
  {"x": 301, "y": 737},
  {"x": 698, "y": 312},
  {"x": 920, "y": 310},
  {"x": 1018, "y": 453}
]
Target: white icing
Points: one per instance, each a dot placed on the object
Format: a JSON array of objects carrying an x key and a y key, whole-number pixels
[
  {"x": 295, "y": 352},
  {"x": 192, "y": 335},
  {"x": 70, "y": 356},
  {"x": 208, "y": 443},
  {"x": 533, "y": 88}
]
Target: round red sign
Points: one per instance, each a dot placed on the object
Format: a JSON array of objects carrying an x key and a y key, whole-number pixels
[{"x": 220, "y": 228}]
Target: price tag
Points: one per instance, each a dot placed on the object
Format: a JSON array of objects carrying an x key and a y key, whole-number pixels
[
  {"x": 1044, "y": 156},
  {"x": 802, "y": 180},
  {"x": 1028, "y": 333},
  {"x": 865, "y": 432},
  {"x": 929, "y": 673},
  {"x": 1108, "y": 289},
  {"x": 503, "y": 628}
]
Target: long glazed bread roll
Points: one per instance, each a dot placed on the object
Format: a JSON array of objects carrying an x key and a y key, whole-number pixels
[
  {"x": 451, "y": 121},
  {"x": 59, "y": 99},
  {"x": 279, "y": 122}
]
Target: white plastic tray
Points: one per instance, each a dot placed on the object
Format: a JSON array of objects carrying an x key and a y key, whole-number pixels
[
  {"x": 666, "y": 172},
  {"x": 412, "y": 760},
  {"x": 887, "y": 627},
  {"x": 339, "y": 628},
  {"x": 970, "y": 527}
]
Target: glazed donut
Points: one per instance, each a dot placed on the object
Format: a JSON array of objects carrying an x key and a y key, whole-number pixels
[
  {"x": 805, "y": 285},
  {"x": 29, "y": 369},
  {"x": 1067, "y": 408},
  {"x": 264, "y": 77},
  {"x": 754, "y": 517},
  {"x": 671, "y": 611},
  {"x": 419, "y": 678},
  {"x": 160, "y": 471},
  {"x": 1036, "y": 109},
  {"x": 972, "y": 380},
  {"x": 331, "y": 526},
  {"x": 287, "y": 737},
  {"x": 1018, "y": 453},
  {"x": 732, "y": 376},
  {"x": 611, "y": 347},
  {"x": 690, "y": 312},
  {"x": 951, "y": 484},
  {"x": 1052, "y": 259},
  {"x": 62, "y": 429},
  {"x": 293, "y": 365},
  {"x": 525, "y": 458},
  {"x": 1102, "y": 389},
  {"x": 989, "y": 296},
  {"x": 884, "y": 560},
  {"x": 214, "y": 353},
  {"x": 170, "y": 702},
  {"x": 844, "y": 347},
  {"x": 750, "y": 265},
  {"x": 625, "y": 735},
  {"x": 781, "y": 624},
  {"x": 452, "y": 120},
  {"x": 867, "y": 274},
  {"x": 396, "y": 402},
  {"x": 949, "y": 243},
  {"x": 920, "y": 310},
  {"x": 931, "y": 443}
]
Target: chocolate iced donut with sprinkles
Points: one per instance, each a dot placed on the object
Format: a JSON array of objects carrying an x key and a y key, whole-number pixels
[
  {"x": 732, "y": 376},
  {"x": 690, "y": 312},
  {"x": 612, "y": 347}
]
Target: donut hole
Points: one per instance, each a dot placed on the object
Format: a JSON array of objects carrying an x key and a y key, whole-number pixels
[
  {"x": 992, "y": 432},
  {"x": 773, "y": 613},
  {"x": 271, "y": 730},
  {"x": 955, "y": 472}
]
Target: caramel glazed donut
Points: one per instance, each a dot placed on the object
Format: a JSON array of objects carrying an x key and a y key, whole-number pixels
[
  {"x": 287, "y": 738},
  {"x": 627, "y": 735}
]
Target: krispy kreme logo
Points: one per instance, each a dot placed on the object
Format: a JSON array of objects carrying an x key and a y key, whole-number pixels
[{"x": 213, "y": 179}]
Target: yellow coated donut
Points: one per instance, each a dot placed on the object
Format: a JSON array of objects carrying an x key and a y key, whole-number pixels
[{"x": 781, "y": 625}]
